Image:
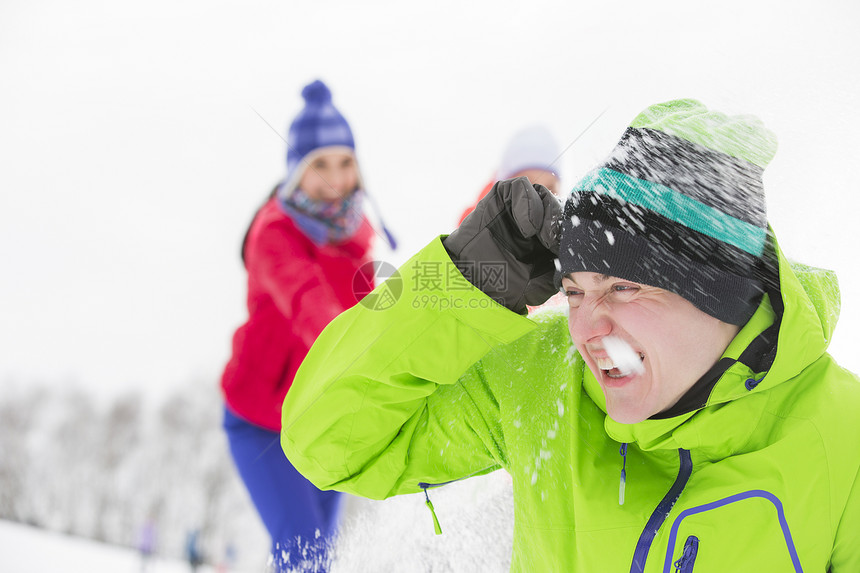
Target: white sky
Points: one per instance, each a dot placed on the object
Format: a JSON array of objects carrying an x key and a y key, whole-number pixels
[{"x": 133, "y": 156}]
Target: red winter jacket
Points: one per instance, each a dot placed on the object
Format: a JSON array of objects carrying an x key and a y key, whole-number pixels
[{"x": 295, "y": 288}]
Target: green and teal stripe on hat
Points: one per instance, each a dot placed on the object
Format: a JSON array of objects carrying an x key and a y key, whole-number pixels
[
  {"x": 679, "y": 204},
  {"x": 676, "y": 207}
]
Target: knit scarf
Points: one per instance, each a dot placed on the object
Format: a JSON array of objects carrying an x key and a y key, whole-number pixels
[{"x": 325, "y": 222}]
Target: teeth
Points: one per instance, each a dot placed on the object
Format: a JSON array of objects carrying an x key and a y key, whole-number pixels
[
  {"x": 607, "y": 363},
  {"x": 621, "y": 356}
]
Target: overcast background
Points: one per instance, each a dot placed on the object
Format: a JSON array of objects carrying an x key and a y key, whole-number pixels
[{"x": 137, "y": 139}]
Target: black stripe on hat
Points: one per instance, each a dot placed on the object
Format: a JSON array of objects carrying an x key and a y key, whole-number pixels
[
  {"x": 593, "y": 246},
  {"x": 617, "y": 218},
  {"x": 731, "y": 185}
]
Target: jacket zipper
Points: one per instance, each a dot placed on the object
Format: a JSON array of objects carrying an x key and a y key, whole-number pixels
[
  {"x": 425, "y": 486},
  {"x": 643, "y": 546},
  {"x": 622, "y": 486},
  {"x": 685, "y": 563},
  {"x": 436, "y": 527}
]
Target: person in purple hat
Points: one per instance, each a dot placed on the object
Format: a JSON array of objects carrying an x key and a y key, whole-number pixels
[{"x": 303, "y": 251}]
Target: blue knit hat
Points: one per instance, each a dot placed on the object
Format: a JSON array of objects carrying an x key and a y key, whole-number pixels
[
  {"x": 680, "y": 205},
  {"x": 318, "y": 125}
]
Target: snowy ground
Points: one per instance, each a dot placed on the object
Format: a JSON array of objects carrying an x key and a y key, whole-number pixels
[
  {"x": 396, "y": 535},
  {"x": 388, "y": 536},
  {"x": 26, "y": 549}
]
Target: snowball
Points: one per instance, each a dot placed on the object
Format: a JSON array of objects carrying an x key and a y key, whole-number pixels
[{"x": 624, "y": 357}]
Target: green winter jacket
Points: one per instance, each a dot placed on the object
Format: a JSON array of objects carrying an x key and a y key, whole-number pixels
[{"x": 445, "y": 384}]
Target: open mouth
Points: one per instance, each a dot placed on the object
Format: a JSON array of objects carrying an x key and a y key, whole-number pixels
[{"x": 612, "y": 370}]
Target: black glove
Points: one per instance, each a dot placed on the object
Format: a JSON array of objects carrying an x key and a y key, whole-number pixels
[{"x": 507, "y": 246}]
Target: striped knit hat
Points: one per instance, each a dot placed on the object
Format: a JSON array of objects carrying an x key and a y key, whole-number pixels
[
  {"x": 318, "y": 125},
  {"x": 679, "y": 205}
]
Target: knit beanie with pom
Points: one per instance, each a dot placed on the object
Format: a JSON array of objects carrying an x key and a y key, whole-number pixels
[{"x": 319, "y": 125}]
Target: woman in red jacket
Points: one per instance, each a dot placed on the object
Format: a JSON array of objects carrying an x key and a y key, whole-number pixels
[{"x": 305, "y": 249}]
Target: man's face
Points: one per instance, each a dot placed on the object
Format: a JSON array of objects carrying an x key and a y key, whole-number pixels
[{"x": 676, "y": 342}]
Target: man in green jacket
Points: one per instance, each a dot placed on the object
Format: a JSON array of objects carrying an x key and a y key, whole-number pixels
[{"x": 682, "y": 414}]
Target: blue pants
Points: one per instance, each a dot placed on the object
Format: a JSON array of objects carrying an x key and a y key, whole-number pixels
[{"x": 300, "y": 518}]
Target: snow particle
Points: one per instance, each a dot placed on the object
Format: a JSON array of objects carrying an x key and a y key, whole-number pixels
[{"x": 610, "y": 237}]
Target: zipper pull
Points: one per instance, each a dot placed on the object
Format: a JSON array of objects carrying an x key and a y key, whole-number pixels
[
  {"x": 436, "y": 527},
  {"x": 685, "y": 563},
  {"x": 623, "y": 484}
]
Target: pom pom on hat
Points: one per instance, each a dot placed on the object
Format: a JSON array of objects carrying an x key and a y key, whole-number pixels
[
  {"x": 316, "y": 93},
  {"x": 679, "y": 205},
  {"x": 530, "y": 148}
]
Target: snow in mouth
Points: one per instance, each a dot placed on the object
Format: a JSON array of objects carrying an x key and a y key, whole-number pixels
[{"x": 622, "y": 360}]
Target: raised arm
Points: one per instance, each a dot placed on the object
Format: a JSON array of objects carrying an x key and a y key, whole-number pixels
[{"x": 381, "y": 402}]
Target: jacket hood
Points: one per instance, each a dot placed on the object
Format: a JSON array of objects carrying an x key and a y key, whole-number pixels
[{"x": 775, "y": 345}]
